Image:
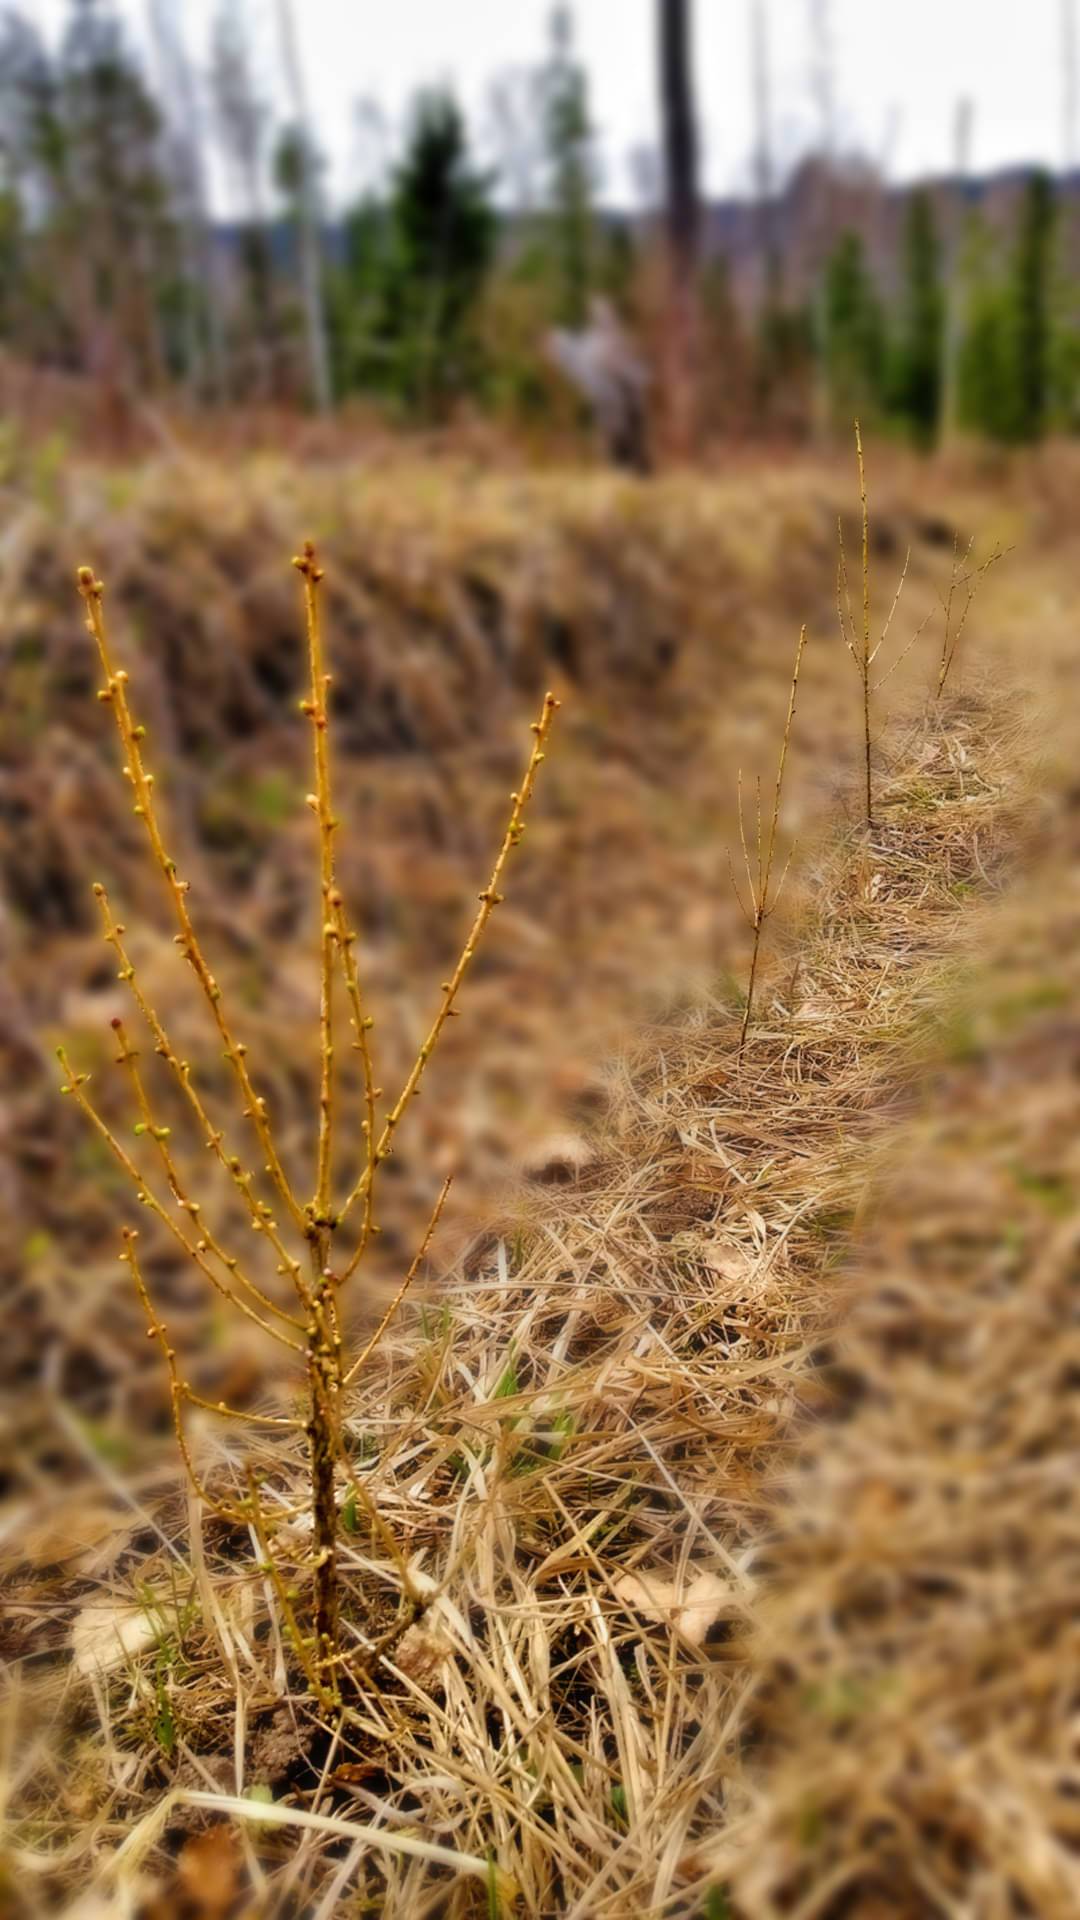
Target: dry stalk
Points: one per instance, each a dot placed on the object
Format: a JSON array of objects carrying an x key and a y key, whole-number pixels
[
  {"x": 764, "y": 897},
  {"x": 858, "y": 637},
  {"x": 314, "y": 1331},
  {"x": 956, "y": 602}
]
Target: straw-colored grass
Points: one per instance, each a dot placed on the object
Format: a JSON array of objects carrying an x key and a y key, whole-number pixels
[
  {"x": 584, "y": 1442},
  {"x": 911, "y": 1672},
  {"x": 571, "y": 1447}
]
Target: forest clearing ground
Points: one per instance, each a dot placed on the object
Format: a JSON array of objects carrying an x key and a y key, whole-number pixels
[
  {"x": 571, "y": 1455},
  {"x": 580, "y": 1450},
  {"x": 914, "y": 1654}
]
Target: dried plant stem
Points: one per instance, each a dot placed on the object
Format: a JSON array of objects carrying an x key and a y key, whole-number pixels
[
  {"x": 157, "y": 1330},
  {"x": 75, "y": 1084},
  {"x": 324, "y": 1341},
  {"x": 858, "y": 636},
  {"x": 417, "y": 1262},
  {"x": 763, "y": 897},
  {"x": 262, "y": 1220},
  {"x": 324, "y": 1420},
  {"x": 114, "y": 695},
  {"x": 300, "y": 1642},
  {"x": 362, "y": 1024},
  {"x": 320, "y": 802},
  {"x": 864, "y": 507},
  {"x": 861, "y": 651},
  {"x": 967, "y": 582},
  {"x": 490, "y": 898}
]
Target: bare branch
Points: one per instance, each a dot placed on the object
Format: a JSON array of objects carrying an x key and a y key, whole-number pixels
[
  {"x": 75, "y": 1084},
  {"x": 490, "y": 898},
  {"x": 114, "y": 695},
  {"x": 399, "y": 1296}
]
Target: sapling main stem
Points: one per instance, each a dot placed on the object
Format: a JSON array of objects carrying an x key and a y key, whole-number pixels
[
  {"x": 858, "y": 635},
  {"x": 764, "y": 898}
]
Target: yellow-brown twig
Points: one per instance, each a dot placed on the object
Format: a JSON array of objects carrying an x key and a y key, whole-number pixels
[
  {"x": 399, "y": 1296},
  {"x": 157, "y": 1330},
  {"x": 863, "y": 649},
  {"x": 262, "y": 1218},
  {"x": 320, "y": 802},
  {"x": 75, "y": 1084},
  {"x": 114, "y": 694},
  {"x": 300, "y": 1642},
  {"x": 207, "y": 1243},
  {"x": 223, "y": 1411},
  {"x": 361, "y": 1024},
  {"x": 764, "y": 898},
  {"x": 490, "y": 898},
  {"x": 972, "y": 581}
]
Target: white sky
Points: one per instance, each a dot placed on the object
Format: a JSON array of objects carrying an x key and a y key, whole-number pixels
[{"x": 899, "y": 67}]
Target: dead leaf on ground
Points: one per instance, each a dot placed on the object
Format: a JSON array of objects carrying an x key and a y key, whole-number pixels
[
  {"x": 740, "y": 1267},
  {"x": 206, "y": 1881},
  {"x": 746, "y": 1277},
  {"x": 691, "y": 1606},
  {"x": 104, "y": 1637},
  {"x": 422, "y": 1654},
  {"x": 559, "y": 1159}
]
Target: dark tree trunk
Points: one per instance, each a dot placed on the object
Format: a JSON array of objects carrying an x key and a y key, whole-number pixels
[
  {"x": 679, "y": 134},
  {"x": 682, "y": 216}
]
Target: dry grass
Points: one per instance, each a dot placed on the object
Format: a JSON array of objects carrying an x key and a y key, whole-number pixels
[
  {"x": 448, "y": 601},
  {"x": 577, "y": 1440},
  {"x": 912, "y": 1667},
  {"x": 571, "y": 1450}
]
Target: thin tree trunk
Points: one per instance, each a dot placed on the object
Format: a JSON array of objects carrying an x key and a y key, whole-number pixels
[
  {"x": 823, "y": 234},
  {"x": 310, "y": 248},
  {"x": 954, "y": 292},
  {"x": 682, "y": 211},
  {"x": 1068, "y": 227},
  {"x": 764, "y": 168},
  {"x": 177, "y": 88}
]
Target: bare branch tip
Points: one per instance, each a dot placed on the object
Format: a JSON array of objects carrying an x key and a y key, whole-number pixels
[{"x": 306, "y": 562}]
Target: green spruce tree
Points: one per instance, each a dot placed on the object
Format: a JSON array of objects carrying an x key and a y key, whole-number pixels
[
  {"x": 983, "y": 372},
  {"x": 436, "y": 254},
  {"x": 854, "y": 335},
  {"x": 568, "y": 140},
  {"x": 1014, "y": 365},
  {"x": 918, "y": 361},
  {"x": 1029, "y": 315}
]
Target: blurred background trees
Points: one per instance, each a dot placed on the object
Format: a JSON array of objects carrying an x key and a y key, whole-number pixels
[
  {"x": 420, "y": 262},
  {"x": 569, "y": 164},
  {"x": 854, "y": 336},
  {"x": 949, "y": 307},
  {"x": 918, "y": 359}
]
